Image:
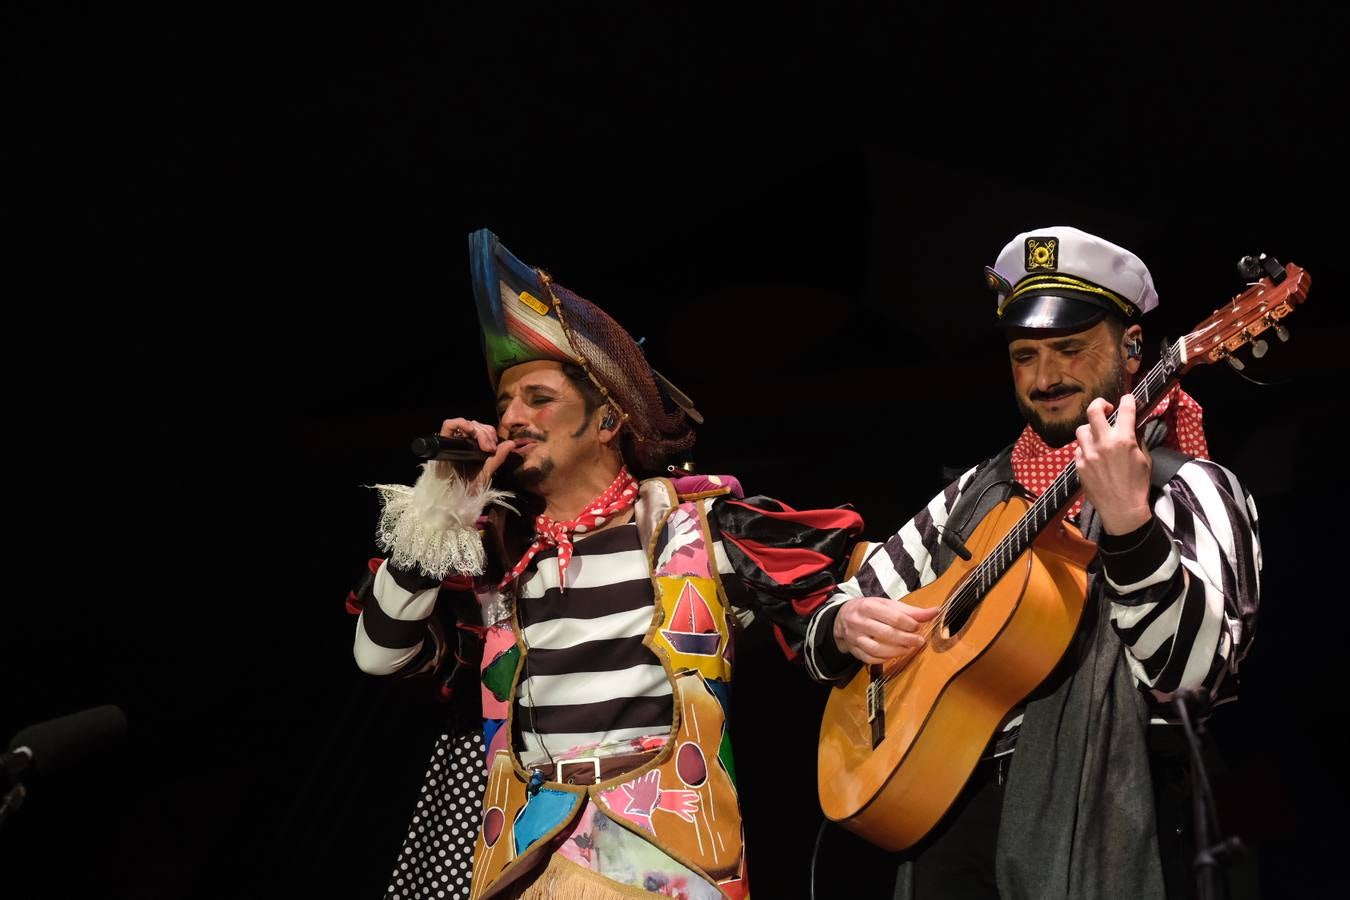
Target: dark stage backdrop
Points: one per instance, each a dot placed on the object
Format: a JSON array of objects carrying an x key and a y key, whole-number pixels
[{"x": 241, "y": 288}]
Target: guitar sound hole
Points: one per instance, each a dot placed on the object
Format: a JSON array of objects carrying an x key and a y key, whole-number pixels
[{"x": 957, "y": 617}]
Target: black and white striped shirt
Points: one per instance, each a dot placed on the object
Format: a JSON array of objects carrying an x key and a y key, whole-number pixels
[{"x": 587, "y": 677}]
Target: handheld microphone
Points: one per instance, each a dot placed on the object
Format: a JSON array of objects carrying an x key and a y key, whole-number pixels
[{"x": 435, "y": 446}]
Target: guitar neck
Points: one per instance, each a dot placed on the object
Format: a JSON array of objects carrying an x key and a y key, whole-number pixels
[{"x": 1065, "y": 488}]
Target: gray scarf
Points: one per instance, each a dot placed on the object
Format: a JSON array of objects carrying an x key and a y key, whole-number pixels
[{"x": 1078, "y": 819}]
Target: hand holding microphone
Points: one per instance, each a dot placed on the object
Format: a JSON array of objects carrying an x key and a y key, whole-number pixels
[
  {"x": 464, "y": 442},
  {"x": 451, "y": 449}
]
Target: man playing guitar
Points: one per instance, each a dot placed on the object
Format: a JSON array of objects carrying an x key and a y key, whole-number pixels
[{"x": 1075, "y": 793}]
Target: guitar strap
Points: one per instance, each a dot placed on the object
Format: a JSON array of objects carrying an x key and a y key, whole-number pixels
[{"x": 993, "y": 483}]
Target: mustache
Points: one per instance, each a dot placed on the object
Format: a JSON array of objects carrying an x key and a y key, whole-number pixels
[
  {"x": 526, "y": 434},
  {"x": 1053, "y": 394}
]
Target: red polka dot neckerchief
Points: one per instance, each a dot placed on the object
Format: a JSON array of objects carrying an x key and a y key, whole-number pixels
[
  {"x": 616, "y": 498},
  {"x": 1036, "y": 464}
]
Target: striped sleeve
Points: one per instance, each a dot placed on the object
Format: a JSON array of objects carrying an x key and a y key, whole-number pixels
[
  {"x": 430, "y": 532},
  {"x": 901, "y": 565},
  {"x": 1184, "y": 589},
  {"x": 393, "y": 633}
]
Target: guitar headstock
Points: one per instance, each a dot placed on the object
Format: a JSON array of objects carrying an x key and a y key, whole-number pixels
[{"x": 1272, "y": 296}]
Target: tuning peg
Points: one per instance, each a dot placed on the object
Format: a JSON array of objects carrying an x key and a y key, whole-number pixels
[
  {"x": 1253, "y": 267},
  {"x": 1280, "y": 331},
  {"x": 1236, "y": 363},
  {"x": 1259, "y": 348}
]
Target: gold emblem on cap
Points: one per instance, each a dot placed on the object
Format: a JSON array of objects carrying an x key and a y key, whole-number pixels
[
  {"x": 1041, "y": 254},
  {"x": 534, "y": 303}
]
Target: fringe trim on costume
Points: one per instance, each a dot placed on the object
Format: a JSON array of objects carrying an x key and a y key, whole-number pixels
[
  {"x": 433, "y": 524},
  {"x": 563, "y": 879}
]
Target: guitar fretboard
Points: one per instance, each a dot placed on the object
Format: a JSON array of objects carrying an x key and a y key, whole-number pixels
[{"x": 1058, "y": 496}]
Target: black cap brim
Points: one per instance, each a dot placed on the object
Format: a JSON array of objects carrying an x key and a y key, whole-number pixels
[{"x": 1061, "y": 310}]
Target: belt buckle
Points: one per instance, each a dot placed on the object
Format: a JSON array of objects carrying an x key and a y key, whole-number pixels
[{"x": 557, "y": 772}]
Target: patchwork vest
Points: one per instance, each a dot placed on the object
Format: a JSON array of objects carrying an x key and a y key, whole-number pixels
[{"x": 683, "y": 801}]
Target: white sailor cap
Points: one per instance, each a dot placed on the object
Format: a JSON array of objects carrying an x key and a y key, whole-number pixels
[{"x": 1061, "y": 277}]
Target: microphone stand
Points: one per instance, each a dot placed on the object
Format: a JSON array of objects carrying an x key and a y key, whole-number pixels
[
  {"x": 16, "y": 763},
  {"x": 1209, "y": 853},
  {"x": 12, "y": 800}
]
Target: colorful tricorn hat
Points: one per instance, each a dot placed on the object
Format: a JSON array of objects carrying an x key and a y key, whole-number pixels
[{"x": 525, "y": 315}]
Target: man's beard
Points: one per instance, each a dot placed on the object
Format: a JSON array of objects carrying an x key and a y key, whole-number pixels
[
  {"x": 534, "y": 476},
  {"x": 1061, "y": 432}
]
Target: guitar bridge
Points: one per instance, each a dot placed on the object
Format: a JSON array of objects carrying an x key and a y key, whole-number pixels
[{"x": 876, "y": 706}]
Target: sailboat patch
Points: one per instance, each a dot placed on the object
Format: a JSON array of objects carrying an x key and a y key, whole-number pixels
[
  {"x": 693, "y": 629},
  {"x": 693, "y": 625}
]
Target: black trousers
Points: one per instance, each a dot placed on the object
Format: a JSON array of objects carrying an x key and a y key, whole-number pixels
[{"x": 956, "y": 860}]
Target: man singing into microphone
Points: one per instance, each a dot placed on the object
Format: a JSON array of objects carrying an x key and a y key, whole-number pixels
[{"x": 607, "y": 609}]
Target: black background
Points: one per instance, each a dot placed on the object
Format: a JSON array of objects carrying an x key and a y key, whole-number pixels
[{"x": 238, "y": 287}]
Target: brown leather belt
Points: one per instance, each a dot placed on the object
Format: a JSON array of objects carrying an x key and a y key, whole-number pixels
[{"x": 592, "y": 769}]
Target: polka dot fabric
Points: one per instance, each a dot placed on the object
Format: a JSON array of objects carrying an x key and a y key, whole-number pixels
[
  {"x": 1036, "y": 464},
  {"x": 620, "y": 495},
  {"x": 437, "y": 857}
]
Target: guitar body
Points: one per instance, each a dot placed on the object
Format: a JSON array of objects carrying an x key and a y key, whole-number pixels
[{"x": 891, "y": 784}]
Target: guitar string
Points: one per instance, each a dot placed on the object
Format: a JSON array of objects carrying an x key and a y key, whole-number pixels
[{"x": 962, "y": 603}]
